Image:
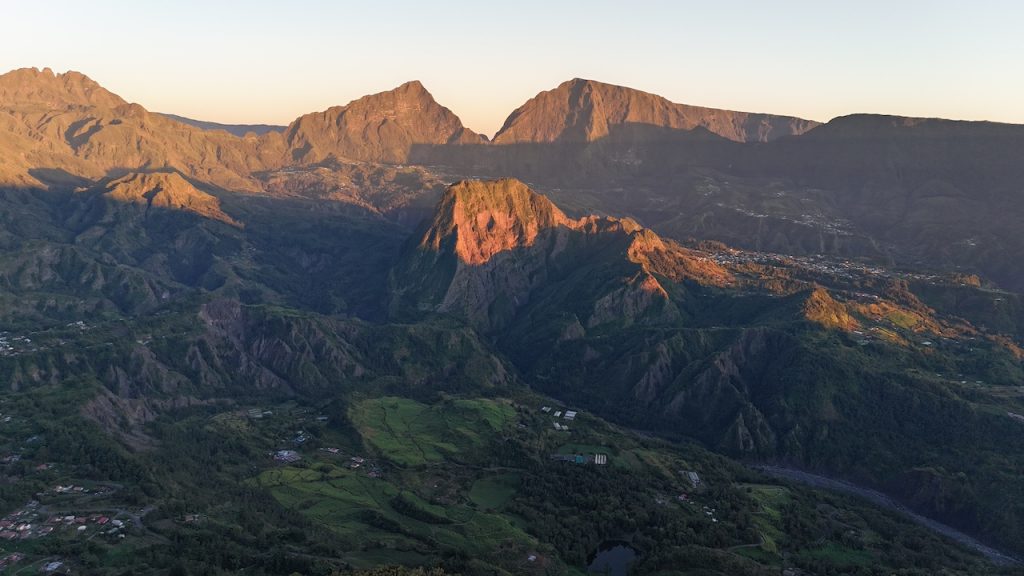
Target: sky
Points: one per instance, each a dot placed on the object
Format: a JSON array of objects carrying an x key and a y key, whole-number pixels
[{"x": 261, "y": 61}]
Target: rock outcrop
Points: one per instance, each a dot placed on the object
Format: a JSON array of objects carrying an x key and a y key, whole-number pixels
[{"x": 492, "y": 245}]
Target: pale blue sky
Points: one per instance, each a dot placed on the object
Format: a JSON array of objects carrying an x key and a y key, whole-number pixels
[{"x": 269, "y": 61}]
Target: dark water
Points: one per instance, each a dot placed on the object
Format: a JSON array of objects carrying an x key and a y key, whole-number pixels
[{"x": 612, "y": 558}]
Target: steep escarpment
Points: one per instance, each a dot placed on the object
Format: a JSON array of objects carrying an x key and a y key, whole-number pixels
[
  {"x": 496, "y": 248},
  {"x": 586, "y": 111},
  {"x": 487, "y": 218}
]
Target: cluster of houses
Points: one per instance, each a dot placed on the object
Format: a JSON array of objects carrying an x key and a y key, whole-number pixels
[
  {"x": 75, "y": 490},
  {"x": 566, "y": 416},
  {"x": 710, "y": 513},
  {"x": 10, "y": 560},
  {"x": 22, "y": 523},
  {"x": 258, "y": 413},
  {"x": 373, "y": 470},
  {"x": 843, "y": 269},
  {"x": 597, "y": 459},
  {"x": 287, "y": 456},
  {"x": 70, "y": 489},
  {"x": 12, "y": 345},
  {"x": 26, "y": 523}
]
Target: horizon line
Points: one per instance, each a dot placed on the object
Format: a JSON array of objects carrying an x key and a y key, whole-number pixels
[{"x": 44, "y": 69}]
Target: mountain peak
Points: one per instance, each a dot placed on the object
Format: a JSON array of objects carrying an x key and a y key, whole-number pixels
[
  {"x": 382, "y": 127},
  {"x": 493, "y": 243},
  {"x": 490, "y": 216},
  {"x": 34, "y": 87},
  {"x": 581, "y": 110},
  {"x": 413, "y": 86}
]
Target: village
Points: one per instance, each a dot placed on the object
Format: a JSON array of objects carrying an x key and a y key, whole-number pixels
[
  {"x": 842, "y": 269},
  {"x": 34, "y": 520},
  {"x": 302, "y": 437},
  {"x": 16, "y": 344},
  {"x": 685, "y": 498}
]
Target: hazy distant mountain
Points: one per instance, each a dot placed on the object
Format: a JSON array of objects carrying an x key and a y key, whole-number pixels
[
  {"x": 58, "y": 129},
  {"x": 585, "y": 111},
  {"x": 42, "y": 89},
  {"x": 236, "y": 129},
  {"x": 936, "y": 192}
]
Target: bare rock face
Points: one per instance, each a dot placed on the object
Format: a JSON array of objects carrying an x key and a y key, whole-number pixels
[
  {"x": 584, "y": 111},
  {"x": 381, "y": 127},
  {"x": 492, "y": 246},
  {"x": 487, "y": 218},
  {"x": 488, "y": 246},
  {"x": 30, "y": 87}
]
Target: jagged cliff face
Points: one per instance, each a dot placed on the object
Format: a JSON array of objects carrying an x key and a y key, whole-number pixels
[
  {"x": 493, "y": 246},
  {"x": 381, "y": 127},
  {"x": 585, "y": 111},
  {"x": 487, "y": 218}
]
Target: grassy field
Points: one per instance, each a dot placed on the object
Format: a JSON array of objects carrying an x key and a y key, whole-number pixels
[
  {"x": 586, "y": 449},
  {"x": 840, "y": 556},
  {"x": 377, "y": 518},
  {"x": 771, "y": 500},
  {"x": 409, "y": 433},
  {"x": 493, "y": 492}
]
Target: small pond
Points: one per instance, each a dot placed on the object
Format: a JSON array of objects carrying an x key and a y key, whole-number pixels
[{"x": 613, "y": 558}]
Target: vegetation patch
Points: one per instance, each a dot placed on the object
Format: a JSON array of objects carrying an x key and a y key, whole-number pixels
[
  {"x": 409, "y": 433},
  {"x": 376, "y": 515},
  {"x": 493, "y": 492}
]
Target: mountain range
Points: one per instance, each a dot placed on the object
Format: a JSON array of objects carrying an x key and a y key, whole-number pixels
[
  {"x": 928, "y": 193},
  {"x": 839, "y": 298}
]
